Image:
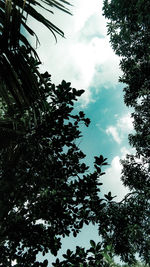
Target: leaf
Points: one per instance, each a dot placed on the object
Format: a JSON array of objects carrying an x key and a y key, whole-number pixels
[
  {"x": 81, "y": 113},
  {"x": 109, "y": 197},
  {"x": 87, "y": 122},
  {"x": 57, "y": 261},
  {"x": 81, "y": 224},
  {"x": 65, "y": 256},
  {"x": 99, "y": 160},
  {"x": 97, "y": 169},
  {"x": 45, "y": 263},
  {"x": 69, "y": 252},
  {"x": 79, "y": 92},
  {"x": 93, "y": 244}
]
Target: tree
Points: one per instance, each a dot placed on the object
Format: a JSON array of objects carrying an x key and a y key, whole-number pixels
[
  {"x": 128, "y": 27},
  {"x": 15, "y": 62},
  {"x": 96, "y": 256},
  {"x": 46, "y": 192}
]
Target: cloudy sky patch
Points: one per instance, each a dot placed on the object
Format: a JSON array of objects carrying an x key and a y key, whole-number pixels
[
  {"x": 85, "y": 56},
  {"x": 113, "y": 175},
  {"x": 123, "y": 127},
  {"x": 111, "y": 130},
  {"x": 86, "y": 59}
]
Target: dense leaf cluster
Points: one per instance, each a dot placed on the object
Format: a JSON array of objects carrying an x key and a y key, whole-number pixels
[
  {"x": 96, "y": 256},
  {"x": 129, "y": 31},
  {"x": 45, "y": 190}
]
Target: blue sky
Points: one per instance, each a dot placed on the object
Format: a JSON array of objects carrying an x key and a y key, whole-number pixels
[{"x": 86, "y": 59}]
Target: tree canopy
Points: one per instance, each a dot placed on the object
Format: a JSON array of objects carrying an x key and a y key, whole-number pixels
[
  {"x": 46, "y": 190},
  {"x": 128, "y": 28}
]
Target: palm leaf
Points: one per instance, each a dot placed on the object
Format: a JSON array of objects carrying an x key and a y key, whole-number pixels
[
  {"x": 18, "y": 82},
  {"x": 13, "y": 16},
  {"x": 39, "y": 17},
  {"x": 29, "y": 8}
]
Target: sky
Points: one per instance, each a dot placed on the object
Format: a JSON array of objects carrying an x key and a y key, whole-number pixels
[{"x": 85, "y": 58}]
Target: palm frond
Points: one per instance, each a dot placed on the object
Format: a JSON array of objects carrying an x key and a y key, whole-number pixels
[
  {"x": 29, "y": 7},
  {"x": 13, "y": 16},
  {"x": 18, "y": 83}
]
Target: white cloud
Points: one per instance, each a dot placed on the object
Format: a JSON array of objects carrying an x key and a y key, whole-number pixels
[
  {"x": 84, "y": 9},
  {"x": 111, "y": 180},
  {"x": 125, "y": 123},
  {"x": 122, "y": 128},
  {"x": 111, "y": 130},
  {"x": 85, "y": 55},
  {"x": 124, "y": 151}
]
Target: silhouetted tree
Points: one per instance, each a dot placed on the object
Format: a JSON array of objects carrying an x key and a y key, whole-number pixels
[{"x": 129, "y": 31}]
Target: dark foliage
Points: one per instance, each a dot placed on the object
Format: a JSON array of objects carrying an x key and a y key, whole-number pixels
[
  {"x": 129, "y": 30},
  {"x": 45, "y": 190}
]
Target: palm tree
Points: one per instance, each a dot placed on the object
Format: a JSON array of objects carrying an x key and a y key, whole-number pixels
[
  {"x": 19, "y": 75},
  {"x": 20, "y": 79},
  {"x": 17, "y": 81}
]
